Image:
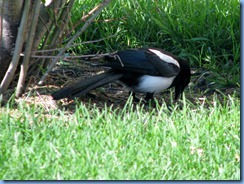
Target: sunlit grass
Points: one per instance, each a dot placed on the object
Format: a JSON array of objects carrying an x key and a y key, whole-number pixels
[
  {"x": 194, "y": 142},
  {"x": 187, "y": 141}
]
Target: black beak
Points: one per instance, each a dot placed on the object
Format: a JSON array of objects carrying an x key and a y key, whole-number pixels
[{"x": 178, "y": 91}]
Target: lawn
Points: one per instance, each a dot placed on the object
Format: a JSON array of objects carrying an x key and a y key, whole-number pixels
[
  {"x": 199, "y": 141},
  {"x": 110, "y": 137}
]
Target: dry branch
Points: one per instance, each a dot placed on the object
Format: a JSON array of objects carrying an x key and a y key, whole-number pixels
[
  {"x": 74, "y": 45},
  {"x": 72, "y": 57},
  {"x": 83, "y": 19},
  {"x": 57, "y": 35},
  {"x": 1, "y": 21},
  {"x": 25, "y": 64},
  {"x": 61, "y": 52},
  {"x": 18, "y": 48},
  {"x": 44, "y": 22}
]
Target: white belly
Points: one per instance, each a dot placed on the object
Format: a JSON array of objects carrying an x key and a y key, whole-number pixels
[{"x": 153, "y": 84}]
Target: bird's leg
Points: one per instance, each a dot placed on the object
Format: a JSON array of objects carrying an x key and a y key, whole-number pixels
[
  {"x": 150, "y": 100},
  {"x": 149, "y": 96},
  {"x": 135, "y": 99}
]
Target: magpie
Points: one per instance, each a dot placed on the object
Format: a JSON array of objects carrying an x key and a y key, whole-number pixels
[{"x": 144, "y": 70}]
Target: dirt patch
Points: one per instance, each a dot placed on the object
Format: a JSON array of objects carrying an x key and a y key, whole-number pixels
[{"x": 112, "y": 94}]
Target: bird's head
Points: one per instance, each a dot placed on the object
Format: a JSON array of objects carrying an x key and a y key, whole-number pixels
[{"x": 183, "y": 78}]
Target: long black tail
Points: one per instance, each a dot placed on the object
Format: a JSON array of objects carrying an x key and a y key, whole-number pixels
[{"x": 84, "y": 86}]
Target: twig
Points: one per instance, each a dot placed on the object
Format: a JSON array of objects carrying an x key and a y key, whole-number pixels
[
  {"x": 104, "y": 20},
  {"x": 54, "y": 37},
  {"x": 1, "y": 22},
  {"x": 70, "y": 57},
  {"x": 18, "y": 47},
  {"x": 84, "y": 17},
  {"x": 73, "y": 45},
  {"x": 25, "y": 64},
  {"x": 100, "y": 8},
  {"x": 122, "y": 64},
  {"x": 62, "y": 19}
]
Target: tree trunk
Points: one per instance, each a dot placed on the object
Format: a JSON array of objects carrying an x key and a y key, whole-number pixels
[
  {"x": 10, "y": 15},
  {"x": 21, "y": 35}
]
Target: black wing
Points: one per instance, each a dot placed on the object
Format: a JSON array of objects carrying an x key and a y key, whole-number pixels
[{"x": 141, "y": 61}]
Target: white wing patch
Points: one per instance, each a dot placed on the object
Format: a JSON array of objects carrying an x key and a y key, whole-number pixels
[
  {"x": 165, "y": 57},
  {"x": 154, "y": 84}
]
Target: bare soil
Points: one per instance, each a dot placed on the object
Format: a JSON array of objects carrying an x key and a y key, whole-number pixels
[{"x": 113, "y": 94}]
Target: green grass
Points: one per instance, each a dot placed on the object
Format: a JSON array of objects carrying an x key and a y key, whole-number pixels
[
  {"x": 206, "y": 33},
  {"x": 196, "y": 142},
  {"x": 197, "y": 29}
]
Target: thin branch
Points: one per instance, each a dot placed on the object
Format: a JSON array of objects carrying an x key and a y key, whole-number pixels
[
  {"x": 1, "y": 22},
  {"x": 63, "y": 18},
  {"x": 55, "y": 27},
  {"x": 84, "y": 17},
  {"x": 73, "y": 45},
  {"x": 54, "y": 37},
  {"x": 44, "y": 23},
  {"x": 71, "y": 57},
  {"x": 104, "y": 20},
  {"x": 82, "y": 21},
  {"x": 89, "y": 21},
  {"x": 25, "y": 64},
  {"x": 18, "y": 47}
]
